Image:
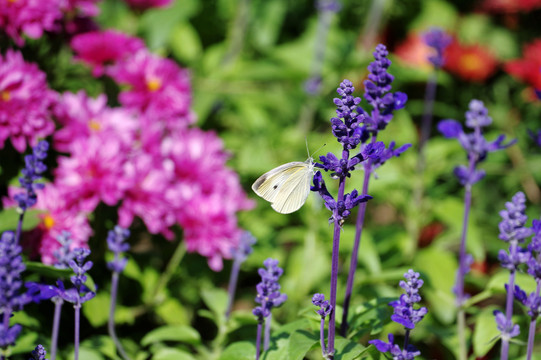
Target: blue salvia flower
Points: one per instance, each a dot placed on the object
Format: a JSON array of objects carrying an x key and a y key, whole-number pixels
[
  {"x": 438, "y": 40},
  {"x": 63, "y": 254},
  {"x": 383, "y": 103},
  {"x": 533, "y": 300},
  {"x": 513, "y": 231},
  {"x": 39, "y": 353},
  {"x": 325, "y": 309},
  {"x": 405, "y": 315},
  {"x": 239, "y": 253},
  {"x": 80, "y": 293},
  {"x": 116, "y": 242},
  {"x": 378, "y": 95},
  {"x": 475, "y": 144},
  {"x": 33, "y": 170},
  {"x": 268, "y": 296},
  {"x": 11, "y": 298},
  {"x": 268, "y": 290}
]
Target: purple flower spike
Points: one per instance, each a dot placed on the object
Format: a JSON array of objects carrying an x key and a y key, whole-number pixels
[
  {"x": 507, "y": 329},
  {"x": 536, "y": 136},
  {"x": 476, "y": 146},
  {"x": 33, "y": 170},
  {"x": 244, "y": 248},
  {"x": 63, "y": 254},
  {"x": 39, "y": 353},
  {"x": 325, "y": 307},
  {"x": 407, "y": 354},
  {"x": 438, "y": 40},
  {"x": 404, "y": 313},
  {"x": 268, "y": 290},
  {"x": 377, "y": 88},
  {"x": 116, "y": 243},
  {"x": 11, "y": 299}
]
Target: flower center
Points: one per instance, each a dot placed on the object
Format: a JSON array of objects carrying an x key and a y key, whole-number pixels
[
  {"x": 154, "y": 84},
  {"x": 94, "y": 125},
  {"x": 471, "y": 62},
  {"x": 48, "y": 221},
  {"x": 4, "y": 94}
]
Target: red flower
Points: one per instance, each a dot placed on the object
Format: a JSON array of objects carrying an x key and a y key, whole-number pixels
[
  {"x": 470, "y": 62},
  {"x": 414, "y": 52},
  {"x": 527, "y": 69},
  {"x": 509, "y": 6}
]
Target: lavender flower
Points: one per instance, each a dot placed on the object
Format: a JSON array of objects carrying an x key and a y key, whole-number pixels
[
  {"x": 325, "y": 310},
  {"x": 438, "y": 40},
  {"x": 80, "y": 293},
  {"x": 63, "y": 254},
  {"x": 39, "y": 353},
  {"x": 477, "y": 149},
  {"x": 268, "y": 296},
  {"x": 514, "y": 232},
  {"x": 32, "y": 172},
  {"x": 11, "y": 298},
  {"x": 378, "y": 95},
  {"x": 533, "y": 300},
  {"x": 239, "y": 253},
  {"x": 383, "y": 103},
  {"x": 116, "y": 243},
  {"x": 405, "y": 315},
  {"x": 34, "y": 168},
  {"x": 326, "y": 10}
]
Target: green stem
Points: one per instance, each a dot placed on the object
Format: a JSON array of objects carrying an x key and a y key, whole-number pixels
[{"x": 173, "y": 265}]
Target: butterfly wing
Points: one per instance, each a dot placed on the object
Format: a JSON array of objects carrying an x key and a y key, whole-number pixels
[
  {"x": 270, "y": 184},
  {"x": 294, "y": 192}
]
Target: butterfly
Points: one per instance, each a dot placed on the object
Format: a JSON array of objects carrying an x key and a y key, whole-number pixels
[{"x": 287, "y": 186}]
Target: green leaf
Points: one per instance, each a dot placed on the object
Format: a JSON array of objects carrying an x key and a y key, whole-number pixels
[
  {"x": 180, "y": 333},
  {"x": 172, "y": 312},
  {"x": 300, "y": 342},
  {"x": 216, "y": 300},
  {"x": 498, "y": 281},
  {"x": 484, "y": 332},
  {"x": 347, "y": 350},
  {"x": 436, "y": 266},
  {"x": 242, "y": 350},
  {"x": 97, "y": 309},
  {"x": 47, "y": 270},
  {"x": 9, "y": 218},
  {"x": 87, "y": 354},
  {"x": 185, "y": 43},
  {"x": 172, "y": 354},
  {"x": 104, "y": 344}
]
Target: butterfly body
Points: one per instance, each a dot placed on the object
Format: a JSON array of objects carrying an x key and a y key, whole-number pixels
[{"x": 287, "y": 186}]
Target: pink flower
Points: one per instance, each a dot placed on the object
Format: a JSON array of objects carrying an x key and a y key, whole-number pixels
[
  {"x": 25, "y": 100},
  {"x": 31, "y": 17},
  {"x": 57, "y": 216},
  {"x": 145, "y": 197},
  {"x": 206, "y": 194},
  {"x": 145, "y": 4},
  {"x": 83, "y": 7},
  {"x": 82, "y": 117},
  {"x": 101, "y": 48},
  {"x": 94, "y": 171},
  {"x": 159, "y": 89}
]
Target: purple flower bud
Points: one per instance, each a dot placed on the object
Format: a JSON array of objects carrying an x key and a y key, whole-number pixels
[
  {"x": 325, "y": 307},
  {"x": 33, "y": 170},
  {"x": 437, "y": 39},
  {"x": 116, "y": 243},
  {"x": 268, "y": 290},
  {"x": 507, "y": 329},
  {"x": 39, "y": 353}
]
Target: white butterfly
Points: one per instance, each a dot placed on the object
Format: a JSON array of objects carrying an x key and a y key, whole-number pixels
[{"x": 287, "y": 186}]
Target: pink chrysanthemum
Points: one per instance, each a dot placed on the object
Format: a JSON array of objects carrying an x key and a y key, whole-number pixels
[
  {"x": 207, "y": 195},
  {"x": 101, "y": 48},
  {"x": 29, "y": 17},
  {"x": 81, "y": 117},
  {"x": 25, "y": 101},
  {"x": 145, "y": 197},
  {"x": 159, "y": 89},
  {"x": 94, "y": 171},
  {"x": 57, "y": 216},
  {"x": 82, "y": 7},
  {"x": 146, "y": 4}
]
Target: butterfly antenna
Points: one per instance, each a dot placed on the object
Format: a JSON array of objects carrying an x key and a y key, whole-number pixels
[
  {"x": 321, "y": 147},
  {"x": 307, "y": 151}
]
